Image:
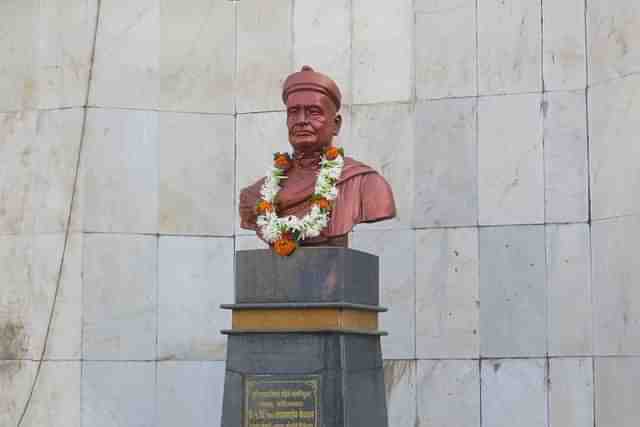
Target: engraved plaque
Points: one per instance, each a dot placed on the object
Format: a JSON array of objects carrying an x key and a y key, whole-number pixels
[{"x": 282, "y": 401}]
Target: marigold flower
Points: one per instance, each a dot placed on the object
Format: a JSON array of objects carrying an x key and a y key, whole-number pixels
[
  {"x": 322, "y": 203},
  {"x": 284, "y": 246},
  {"x": 263, "y": 207},
  {"x": 282, "y": 161},
  {"x": 332, "y": 153}
]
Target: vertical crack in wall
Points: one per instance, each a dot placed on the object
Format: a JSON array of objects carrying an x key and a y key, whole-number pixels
[{"x": 47, "y": 336}]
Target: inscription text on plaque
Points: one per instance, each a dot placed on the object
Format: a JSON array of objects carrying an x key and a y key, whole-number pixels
[{"x": 282, "y": 401}]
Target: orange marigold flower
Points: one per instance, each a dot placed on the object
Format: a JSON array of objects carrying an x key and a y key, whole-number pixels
[
  {"x": 284, "y": 246},
  {"x": 282, "y": 161},
  {"x": 332, "y": 153},
  {"x": 263, "y": 206},
  {"x": 323, "y": 203}
]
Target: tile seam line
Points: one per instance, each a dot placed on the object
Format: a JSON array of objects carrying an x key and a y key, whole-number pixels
[{"x": 67, "y": 230}]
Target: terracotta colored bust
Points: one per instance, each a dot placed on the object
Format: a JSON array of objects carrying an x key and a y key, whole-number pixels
[{"x": 313, "y": 103}]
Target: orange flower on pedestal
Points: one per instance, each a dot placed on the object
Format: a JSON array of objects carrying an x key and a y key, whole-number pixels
[{"x": 284, "y": 246}]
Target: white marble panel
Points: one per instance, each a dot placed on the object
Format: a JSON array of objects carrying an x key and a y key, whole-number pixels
[
  {"x": 39, "y": 154},
  {"x": 614, "y": 109},
  {"x": 16, "y": 378},
  {"x": 446, "y": 163},
  {"x": 513, "y": 292},
  {"x": 564, "y": 56},
  {"x": 616, "y": 296},
  {"x": 509, "y": 46},
  {"x": 119, "y": 394},
  {"x": 445, "y": 49},
  {"x": 29, "y": 267},
  {"x": 46, "y": 52},
  {"x": 126, "y": 66},
  {"x": 511, "y": 162},
  {"x": 617, "y": 391},
  {"x": 396, "y": 249},
  {"x": 565, "y": 157},
  {"x": 245, "y": 243},
  {"x": 322, "y": 39},
  {"x": 56, "y": 398},
  {"x": 190, "y": 393},
  {"x": 195, "y": 277},
  {"x": 119, "y": 289},
  {"x": 120, "y": 172},
  {"x": 264, "y": 53},
  {"x": 66, "y": 326},
  {"x": 196, "y": 183},
  {"x": 196, "y": 56},
  {"x": 571, "y": 393},
  {"x": 569, "y": 285},
  {"x": 400, "y": 385},
  {"x": 514, "y": 393},
  {"x": 382, "y": 51},
  {"x": 613, "y": 34},
  {"x": 447, "y": 293},
  {"x": 258, "y": 137},
  {"x": 448, "y": 393},
  {"x": 382, "y": 136}
]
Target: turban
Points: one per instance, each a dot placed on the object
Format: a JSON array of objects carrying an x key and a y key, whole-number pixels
[{"x": 307, "y": 79}]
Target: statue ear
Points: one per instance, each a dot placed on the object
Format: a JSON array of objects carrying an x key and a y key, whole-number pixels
[{"x": 338, "y": 122}]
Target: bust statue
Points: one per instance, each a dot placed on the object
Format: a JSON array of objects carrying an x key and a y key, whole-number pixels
[{"x": 359, "y": 194}]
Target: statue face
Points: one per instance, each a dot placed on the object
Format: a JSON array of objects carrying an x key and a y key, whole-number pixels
[{"x": 312, "y": 120}]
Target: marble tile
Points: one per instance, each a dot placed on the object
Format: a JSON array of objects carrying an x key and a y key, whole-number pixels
[
  {"x": 446, "y": 163},
  {"x": 382, "y": 51},
  {"x": 613, "y": 33},
  {"x": 509, "y": 46},
  {"x": 396, "y": 249},
  {"x": 445, "y": 49},
  {"x": 617, "y": 390},
  {"x": 120, "y": 172},
  {"x": 66, "y": 327},
  {"x": 126, "y": 67},
  {"x": 564, "y": 56},
  {"x": 511, "y": 161},
  {"x": 447, "y": 293},
  {"x": 119, "y": 287},
  {"x": 400, "y": 384},
  {"x": 245, "y": 243},
  {"x": 264, "y": 53},
  {"x": 196, "y": 183},
  {"x": 195, "y": 277},
  {"x": 373, "y": 129},
  {"x": 322, "y": 39},
  {"x": 614, "y": 109},
  {"x": 16, "y": 378},
  {"x": 46, "y": 48},
  {"x": 569, "y": 285},
  {"x": 29, "y": 267},
  {"x": 158, "y": 54},
  {"x": 448, "y": 393},
  {"x": 571, "y": 393},
  {"x": 513, "y": 293},
  {"x": 196, "y": 56},
  {"x": 39, "y": 153},
  {"x": 119, "y": 394},
  {"x": 56, "y": 398},
  {"x": 565, "y": 157},
  {"x": 190, "y": 393},
  {"x": 258, "y": 137},
  {"x": 616, "y": 296},
  {"x": 514, "y": 393}
]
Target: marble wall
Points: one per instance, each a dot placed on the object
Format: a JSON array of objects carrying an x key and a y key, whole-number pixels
[{"x": 508, "y": 130}]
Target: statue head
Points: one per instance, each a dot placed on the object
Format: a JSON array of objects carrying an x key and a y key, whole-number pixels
[{"x": 313, "y": 101}]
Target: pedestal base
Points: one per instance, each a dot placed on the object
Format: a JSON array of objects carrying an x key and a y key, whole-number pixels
[{"x": 304, "y": 380}]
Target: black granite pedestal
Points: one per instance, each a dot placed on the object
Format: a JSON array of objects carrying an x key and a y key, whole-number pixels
[{"x": 304, "y": 350}]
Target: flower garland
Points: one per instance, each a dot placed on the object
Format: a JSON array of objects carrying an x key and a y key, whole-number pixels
[{"x": 284, "y": 233}]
